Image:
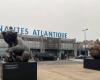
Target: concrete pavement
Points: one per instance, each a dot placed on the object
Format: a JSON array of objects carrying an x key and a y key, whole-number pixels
[{"x": 66, "y": 72}]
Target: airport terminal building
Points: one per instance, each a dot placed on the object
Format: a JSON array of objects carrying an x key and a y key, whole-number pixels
[
  {"x": 39, "y": 44},
  {"x": 41, "y": 41}
]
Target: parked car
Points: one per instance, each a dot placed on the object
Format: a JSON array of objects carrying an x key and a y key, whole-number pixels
[
  {"x": 45, "y": 57},
  {"x": 81, "y": 57}
]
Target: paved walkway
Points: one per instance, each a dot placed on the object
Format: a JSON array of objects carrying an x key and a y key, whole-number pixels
[
  {"x": 66, "y": 72},
  {"x": 78, "y": 60}
]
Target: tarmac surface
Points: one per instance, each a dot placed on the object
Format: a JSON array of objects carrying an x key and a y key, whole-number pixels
[{"x": 65, "y": 70}]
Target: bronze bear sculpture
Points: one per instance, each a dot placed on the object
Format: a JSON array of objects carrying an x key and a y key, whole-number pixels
[
  {"x": 17, "y": 50},
  {"x": 95, "y": 50}
]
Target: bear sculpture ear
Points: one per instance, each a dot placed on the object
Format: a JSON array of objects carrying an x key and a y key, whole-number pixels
[
  {"x": 4, "y": 36},
  {"x": 3, "y": 33}
]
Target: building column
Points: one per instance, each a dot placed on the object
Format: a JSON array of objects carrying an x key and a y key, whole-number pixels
[
  {"x": 42, "y": 46},
  {"x": 75, "y": 50}
]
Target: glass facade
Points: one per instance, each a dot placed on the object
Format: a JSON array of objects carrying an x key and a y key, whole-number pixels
[{"x": 46, "y": 44}]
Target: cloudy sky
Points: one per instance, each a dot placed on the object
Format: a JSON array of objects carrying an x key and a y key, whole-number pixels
[{"x": 69, "y": 16}]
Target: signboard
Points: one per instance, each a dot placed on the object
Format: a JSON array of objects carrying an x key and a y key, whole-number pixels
[{"x": 35, "y": 32}]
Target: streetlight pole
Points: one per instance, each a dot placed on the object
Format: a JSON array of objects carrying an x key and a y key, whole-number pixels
[
  {"x": 42, "y": 45},
  {"x": 85, "y": 39}
]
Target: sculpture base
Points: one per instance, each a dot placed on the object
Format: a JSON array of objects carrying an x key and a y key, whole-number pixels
[
  {"x": 92, "y": 64},
  {"x": 19, "y": 71}
]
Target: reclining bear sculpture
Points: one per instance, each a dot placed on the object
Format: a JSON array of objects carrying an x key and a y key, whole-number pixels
[{"x": 17, "y": 51}]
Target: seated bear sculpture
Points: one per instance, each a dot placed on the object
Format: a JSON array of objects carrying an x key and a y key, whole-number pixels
[{"x": 17, "y": 51}]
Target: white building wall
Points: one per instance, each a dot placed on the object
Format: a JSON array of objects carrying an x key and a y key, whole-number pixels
[
  {"x": 67, "y": 46},
  {"x": 3, "y": 43},
  {"x": 33, "y": 44}
]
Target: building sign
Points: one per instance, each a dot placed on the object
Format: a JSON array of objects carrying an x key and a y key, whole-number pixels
[{"x": 35, "y": 32}]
